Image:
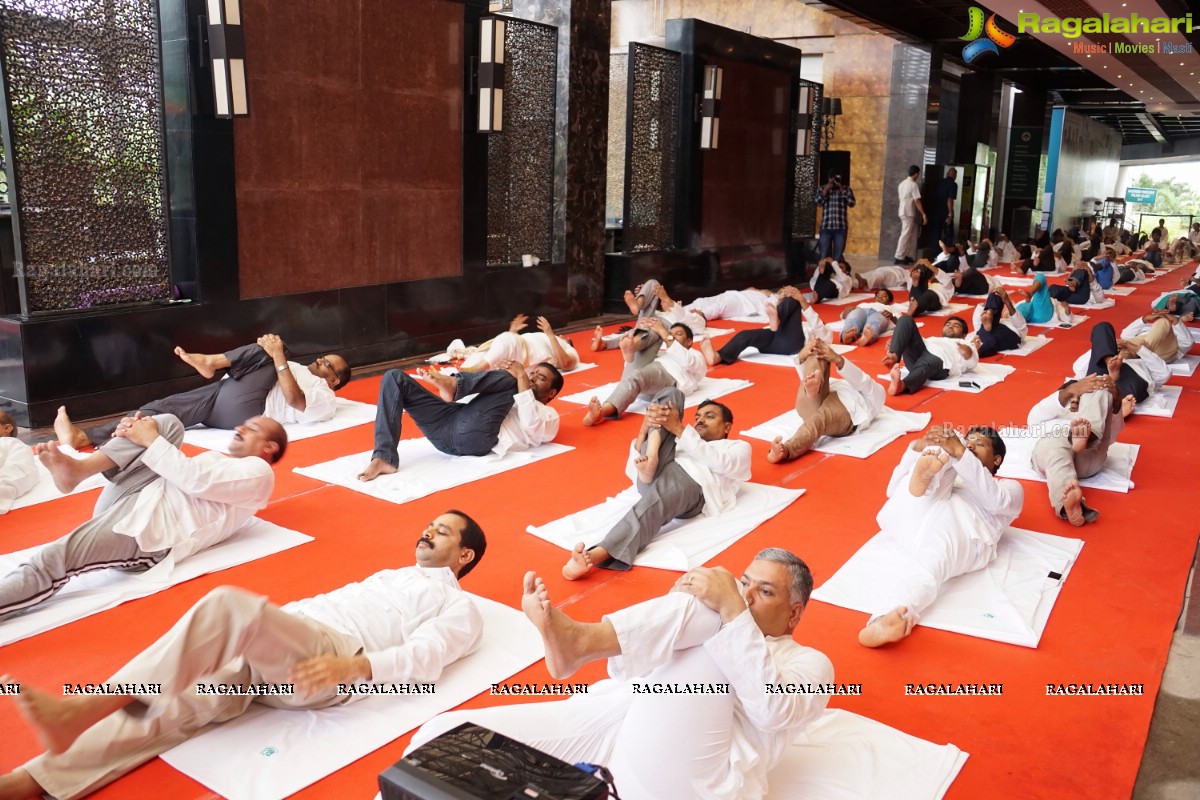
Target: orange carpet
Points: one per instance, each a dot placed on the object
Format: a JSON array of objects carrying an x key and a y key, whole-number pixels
[{"x": 1113, "y": 621}]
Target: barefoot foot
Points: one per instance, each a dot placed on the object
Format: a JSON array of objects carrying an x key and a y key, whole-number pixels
[
  {"x": 204, "y": 364},
  {"x": 891, "y": 627},
  {"x": 646, "y": 466},
  {"x": 710, "y": 354},
  {"x": 926, "y": 469},
  {"x": 579, "y": 564},
  {"x": 66, "y": 431},
  {"x": 869, "y": 337},
  {"x": 895, "y": 384},
  {"x": 1073, "y": 504},
  {"x": 446, "y": 385},
  {"x": 376, "y": 468},
  {"x": 67, "y": 472},
  {"x": 559, "y": 632},
  {"x": 597, "y": 412},
  {"x": 59, "y": 721},
  {"x": 1081, "y": 431},
  {"x": 779, "y": 452},
  {"x": 598, "y": 339}
]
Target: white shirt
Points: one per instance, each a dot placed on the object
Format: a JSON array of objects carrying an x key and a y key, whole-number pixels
[
  {"x": 319, "y": 400},
  {"x": 887, "y": 278},
  {"x": 196, "y": 502},
  {"x": 1148, "y": 365},
  {"x": 1014, "y": 322},
  {"x": 1006, "y": 252},
  {"x": 681, "y": 315},
  {"x": 952, "y": 358},
  {"x": 909, "y": 192},
  {"x": 720, "y": 467},
  {"x": 861, "y": 394},
  {"x": 733, "y": 303},
  {"x": 685, "y": 364},
  {"x": 815, "y": 327},
  {"x": 1183, "y": 335},
  {"x": 18, "y": 474},
  {"x": 412, "y": 622},
  {"x": 526, "y": 425}
]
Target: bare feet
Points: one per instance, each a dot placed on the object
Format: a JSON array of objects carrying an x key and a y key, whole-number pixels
[
  {"x": 446, "y": 385},
  {"x": 1073, "y": 504},
  {"x": 926, "y": 469},
  {"x": 598, "y": 412},
  {"x": 891, "y": 627},
  {"x": 647, "y": 464},
  {"x": 772, "y": 316},
  {"x": 779, "y": 451},
  {"x": 869, "y": 337},
  {"x": 631, "y": 302},
  {"x": 67, "y": 432},
  {"x": 376, "y": 468},
  {"x": 895, "y": 384},
  {"x": 890, "y": 360},
  {"x": 849, "y": 335},
  {"x": 579, "y": 564},
  {"x": 628, "y": 345},
  {"x": 66, "y": 471},
  {"x": 204, "y": 364},
  {"x": 557, "y": 629},
  {"x": 812, "y": 381},
  {"x": 59, "y": 721},
  {"x": 1128, "y": 403},
  {"x": 1081, "y": 431},
  {"x": 598, "y": 339},
  {"x": 710, "y": 355},
  {"x": 19, "y": 785}
]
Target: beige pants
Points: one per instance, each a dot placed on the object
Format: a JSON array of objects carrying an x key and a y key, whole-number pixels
[
  {"x": 230, "y": 637},
  {"x": 1054, "y": 458},
  {"x": 1160, "y": 338},
  {"x": 823, "y": 415}
]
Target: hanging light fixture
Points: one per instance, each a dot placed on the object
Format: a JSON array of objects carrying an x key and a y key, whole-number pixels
[
  {"x": 710, "y": 108},
  {"x": 227, "y": 52},
  {"x": 491, "y": 74}
]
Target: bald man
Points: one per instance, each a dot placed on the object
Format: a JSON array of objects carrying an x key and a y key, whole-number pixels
[{"x": 158, "y": 502}]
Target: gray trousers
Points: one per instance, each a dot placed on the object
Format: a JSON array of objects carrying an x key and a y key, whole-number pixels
[
  {"x": 93, "y": 545},
  {"x": 229, "y": 637},
  {"x": 643, "y": 375},
  {"x": 649, "y": 293},
  {"x": 1054, "y": 458},
  {"x": 672, "y": 494}
]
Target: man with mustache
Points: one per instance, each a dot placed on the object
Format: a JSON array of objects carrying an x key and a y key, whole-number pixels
[
  {"x": 397, "y": 626},
  {"x": 704, "y": 478},
  {"x": 158, "y": 503}
]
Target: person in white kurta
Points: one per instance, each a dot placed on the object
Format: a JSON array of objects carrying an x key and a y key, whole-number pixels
[
  {"x": 735, "y": 303},
  {"x": 397, "y": 626},
  {"x": 945, "y": 513},
  {"x": 909, "y": 198},
  {"x": 18, "y": 474},
  {"x": 1137, "y": 369},
  {"x": 660, "y": 744},
  {"x": 527, "y": 349},
  {"x": 1075, "y": 425},
  {"x": 828, "y": 407},
  {"x": 159, "y": 503},
  {"x": 679, "y": 471},
  {"x": 647, "y": 372},
  {"x": 934, "y": 358},
  {"x": 883, "y": 278},
  {"x": 1164, "y": 333}
]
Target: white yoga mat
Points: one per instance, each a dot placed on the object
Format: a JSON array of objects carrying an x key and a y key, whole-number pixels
[
  {"x": 752, "y": 355},
  {"x": 844, "y": 756},
  {"x": 268, "y": 754},
  {"x": 683, "y": 543},
  {"x": 349, "y": 413},
  {"x": 423, "y": 469},
  {"x": 1121, "y": 291},
  {"x": 1076, "y": 319},
  {"x": 707, "y": 389},
  {"x": 1115, "y": 477},
  {"x": 104, "y": 589},
  {"x": 1031, "y": 345},
  {"x": 886, "y": 428},
  {"x": 1160, "y": 404},
  {"x": 1015, "y": 280},
  {"x": 750, "y": 318},
  {"x": 948, "y": 310},
  {"x": 984, "y": 376},
  {"x": 853, "y": 297},
  {"x": 1107, "y": 303},
  {"x": 444, "y": 358},
  {"x": 1185, "y": 367},
  {"x": 46, "y": 490},
  {"x": 1008, "y": 601}
]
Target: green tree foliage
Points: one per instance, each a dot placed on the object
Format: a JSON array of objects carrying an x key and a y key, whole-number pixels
[{"x": 1174, "y": 197}]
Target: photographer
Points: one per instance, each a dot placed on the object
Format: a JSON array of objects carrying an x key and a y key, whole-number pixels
[{"x": 835, "y": 199}]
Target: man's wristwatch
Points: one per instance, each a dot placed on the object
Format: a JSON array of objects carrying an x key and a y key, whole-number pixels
[{"x": 281, "y": 368}]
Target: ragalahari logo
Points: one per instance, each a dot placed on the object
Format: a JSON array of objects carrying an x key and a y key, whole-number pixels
[{"x": 995, "y": 40}]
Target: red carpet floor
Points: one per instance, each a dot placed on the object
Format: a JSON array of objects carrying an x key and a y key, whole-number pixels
[{"x": 1113, "y": 621}]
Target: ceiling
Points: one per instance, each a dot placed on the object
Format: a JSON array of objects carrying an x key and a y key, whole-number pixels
[{"x": 1147, "y": 97}]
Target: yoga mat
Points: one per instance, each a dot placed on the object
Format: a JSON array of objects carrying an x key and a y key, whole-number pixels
[
  {"x": 45, "y": 490},
  {"x": 348, "y": 415},
  {"x": 1115, "y": 477},
  {"x": 886, "y": 428},
  {"x": 707, "y": 389}
]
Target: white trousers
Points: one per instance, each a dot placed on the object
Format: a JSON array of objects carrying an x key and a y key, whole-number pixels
[{"x": 907, "y": 246}]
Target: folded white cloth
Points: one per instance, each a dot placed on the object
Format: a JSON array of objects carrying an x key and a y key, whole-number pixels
[
  {"x": 46, "y": 490},
  {"x": 1185, "y": 367},
  {"x": 1076, "y": 319},
  {"x": 1115, "y": 477},
  {"x": 853, "y": 297},
  {"x": 423, "y": 469},
  {"x": 1015, "y": 280},
  {"x": 983, "y": 376},
  {"x": 1108, "y": 303},
  {"x": 1160, "y": 404},
  {"x": 948, "y": 310},
  {"x": 708, "y": 389},
  {"x": 1121, "y": 291},
  {"x": 349, "y": 413},
  {"x": 304, "y": 746},
  {"x": 752, "y": 355},
  {"x": 843, "y": 756},
  {"x": 886, "y": 428},
  {"x": 683, "y": 543},
  {"x": 98, "y": 591},
  {"x": 1031, "y": 344},
  {"x": 1008, "y": 601}
]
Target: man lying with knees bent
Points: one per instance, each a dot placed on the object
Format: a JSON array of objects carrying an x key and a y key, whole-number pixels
[
  {"x": 708, "y": 630},
  {"x": 399, "y": 625},
  {"x": 946, "y": 511}
]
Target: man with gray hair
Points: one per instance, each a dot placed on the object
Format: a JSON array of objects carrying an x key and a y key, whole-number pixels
[{"x": 707, "y": 689}]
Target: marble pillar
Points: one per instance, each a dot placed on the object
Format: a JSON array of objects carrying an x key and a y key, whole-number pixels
[{"x": 906, "y": 130}]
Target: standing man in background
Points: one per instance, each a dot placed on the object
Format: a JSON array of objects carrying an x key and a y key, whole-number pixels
[
  {"x": 944, "y": 195},
  {"x": 910, "y": 207}
]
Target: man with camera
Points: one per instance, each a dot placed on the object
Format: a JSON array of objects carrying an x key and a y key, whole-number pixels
[{"x": 835, "y": 199}]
